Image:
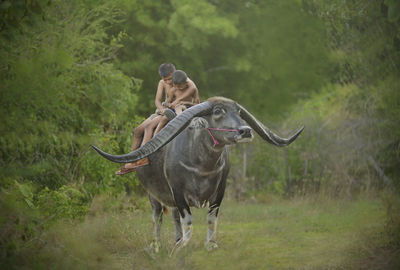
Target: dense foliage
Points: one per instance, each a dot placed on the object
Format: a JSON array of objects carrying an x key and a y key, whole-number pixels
[
  {"x": 220, "y": 46},
  {"x": 59, "y": 93},
  {"x": 76, "y": 73},
  {"x": 351, "y": 141}
]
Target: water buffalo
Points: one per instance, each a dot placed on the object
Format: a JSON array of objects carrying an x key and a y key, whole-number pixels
[{"x": 189, "y": 162}]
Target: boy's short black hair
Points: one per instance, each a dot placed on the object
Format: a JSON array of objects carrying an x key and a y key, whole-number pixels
[
  {"x": 165, "y": 69},
  {"x": 178, "y": 77}
]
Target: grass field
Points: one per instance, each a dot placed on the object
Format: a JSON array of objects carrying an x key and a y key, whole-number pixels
[{"x": 297, "y": 234}]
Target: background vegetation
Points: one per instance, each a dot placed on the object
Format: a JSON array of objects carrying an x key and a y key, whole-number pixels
[{"x": 75, "y": 73}]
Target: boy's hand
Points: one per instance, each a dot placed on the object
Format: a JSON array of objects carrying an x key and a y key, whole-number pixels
[{"x": 173, "y": 104}]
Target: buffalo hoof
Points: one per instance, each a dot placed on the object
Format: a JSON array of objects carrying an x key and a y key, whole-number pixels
[
  {"x": 179, "y": 245},
  {"x": 210, "y": 246},
  {"x": 155, "y": 246}
]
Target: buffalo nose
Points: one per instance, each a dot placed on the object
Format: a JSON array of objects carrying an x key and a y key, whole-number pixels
[{"x": 245, "y": 132}]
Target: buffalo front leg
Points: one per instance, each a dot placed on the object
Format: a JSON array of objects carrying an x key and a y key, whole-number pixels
[
  {"x": 178, "y": 226},
  {"x": 212, "y": 217},
  {"x": 184, "y": 233},
  {"x": 157, "y": 221},
  {"x": 185, "y": 220}
]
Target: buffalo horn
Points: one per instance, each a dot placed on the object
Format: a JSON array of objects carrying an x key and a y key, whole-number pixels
[
  {"x": 265, "y": 132},
  {"x": 170, "y": 131}
]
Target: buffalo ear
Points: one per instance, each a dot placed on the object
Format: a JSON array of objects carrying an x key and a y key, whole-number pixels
[{"x": 198, "y": 123}]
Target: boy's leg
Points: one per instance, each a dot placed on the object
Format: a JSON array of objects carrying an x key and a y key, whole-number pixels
[
  {"x": 164, "y": 120},
  {"x": 180, "y": 108},
  {"x": 147, "y": 135},
  {"x": 139, "y": 133},
  {"x": 138, "y": 136},
  {"x": 149, "y": 129}
]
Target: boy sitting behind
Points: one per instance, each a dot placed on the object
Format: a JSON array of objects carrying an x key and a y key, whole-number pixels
[{"x": 164, "y": 88}]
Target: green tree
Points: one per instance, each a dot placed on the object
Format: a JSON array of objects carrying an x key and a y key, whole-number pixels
[
  {"x": 60, "y": 93},
  {"x": 245, "y": 51}
]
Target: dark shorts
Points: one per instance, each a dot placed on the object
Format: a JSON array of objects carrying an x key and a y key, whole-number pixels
[{"x": 186, "y": 105}]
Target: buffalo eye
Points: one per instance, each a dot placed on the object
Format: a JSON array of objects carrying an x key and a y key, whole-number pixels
[{"x": 218, "y": 111}]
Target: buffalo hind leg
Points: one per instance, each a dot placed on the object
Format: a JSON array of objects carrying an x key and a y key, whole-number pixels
[{"x": 157, "y": 221}]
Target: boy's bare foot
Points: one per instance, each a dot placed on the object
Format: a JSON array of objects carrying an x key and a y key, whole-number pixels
[
  {"x": 131, "y": 167},
  {"x": 170, "y": 114}
]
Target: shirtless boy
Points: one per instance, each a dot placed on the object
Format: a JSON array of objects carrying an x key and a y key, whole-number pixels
[
  {"x": 164, "y": 88},
  {"x": 182, "y": 96}
]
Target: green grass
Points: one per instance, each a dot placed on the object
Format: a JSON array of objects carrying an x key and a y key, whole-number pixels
[{"x": 298, "y": 234}]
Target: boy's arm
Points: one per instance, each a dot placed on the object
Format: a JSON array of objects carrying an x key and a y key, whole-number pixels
[
  {"x": 170, "y": 97},
  {"x": 188, "y": 93},
  {"x": 159, "y": 96},
  {"x": 196, "y": 98}
]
